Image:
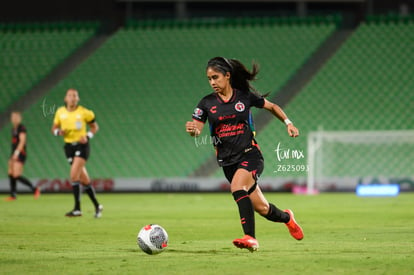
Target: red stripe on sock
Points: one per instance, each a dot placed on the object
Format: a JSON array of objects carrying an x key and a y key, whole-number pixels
[{"x": 239, "y": 199}]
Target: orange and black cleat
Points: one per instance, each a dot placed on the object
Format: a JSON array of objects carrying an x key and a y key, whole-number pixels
[
  {"x": 36, "y": 193},
  {"x": 247, "y": 242},
  {"x": 10, "y": 199},
  {"x": 294, "y": 229}
]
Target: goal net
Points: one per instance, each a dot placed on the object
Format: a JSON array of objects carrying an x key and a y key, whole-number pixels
[{"x": 340, "y": 160}]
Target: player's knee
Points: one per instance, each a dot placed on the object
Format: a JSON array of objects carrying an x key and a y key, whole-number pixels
[
  {"x": 237, "y": 187},
  {"x": 75, "y": 175},
  {"x": 74, "y": 178},
  {"x": 262, "y": 209},
  {"x": 16, "y": 174}
]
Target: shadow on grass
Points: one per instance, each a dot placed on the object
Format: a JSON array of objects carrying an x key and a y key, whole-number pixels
[
  {"x": 182, "y": 251},
  {"x": 207, "y": 252}
]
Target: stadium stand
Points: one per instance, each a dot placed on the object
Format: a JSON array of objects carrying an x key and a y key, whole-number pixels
[
  {"x": 144, "y": 83},
  {"x": 367, "y": 85},
  {"x": 30, "y": 51}
]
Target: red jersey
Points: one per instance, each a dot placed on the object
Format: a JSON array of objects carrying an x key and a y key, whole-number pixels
[{"x": 15, "y": 137}]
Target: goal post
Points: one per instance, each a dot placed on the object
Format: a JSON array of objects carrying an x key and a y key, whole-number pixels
[{"x": 340, "y": 160}]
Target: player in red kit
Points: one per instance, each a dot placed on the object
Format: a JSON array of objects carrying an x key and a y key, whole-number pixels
[
  {"x": 227, "y": 110},
  {"x": 18, "y": 157}
]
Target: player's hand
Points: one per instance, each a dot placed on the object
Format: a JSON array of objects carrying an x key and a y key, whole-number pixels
[
  {"x": 191, "y": 128},
  {"x": 15, "y": 157},
  {"x": 292, "y": 130},
  {"x": 83, "y": 140},
  {"x": 58, "y": 132}
]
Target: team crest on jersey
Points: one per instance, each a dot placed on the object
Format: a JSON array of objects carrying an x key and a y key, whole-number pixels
[
  {"x": 198, "y": 112},
  {"x": 239, "y": 106}
]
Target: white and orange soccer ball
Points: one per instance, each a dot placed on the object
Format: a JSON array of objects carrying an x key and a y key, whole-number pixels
[{"x": 152, "y": 239}]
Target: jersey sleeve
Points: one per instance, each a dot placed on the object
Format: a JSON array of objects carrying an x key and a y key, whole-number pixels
[
  {"x": 22, "y": 129},
  {"x": 56, "y": 120},
  {"x": 89, "y": 116},
  {"x": 256, "y": 100},
  {"x": 200, "y": 112}
]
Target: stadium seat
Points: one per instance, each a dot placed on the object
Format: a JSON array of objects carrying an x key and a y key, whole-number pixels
[
  {"x": 30, "y": 52},
  {"x": 366, "y": 85},
  {"x": 144, "y": 84}
]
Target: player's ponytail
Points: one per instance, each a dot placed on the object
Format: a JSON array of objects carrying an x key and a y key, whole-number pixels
[{"x": 240, "y": 76}]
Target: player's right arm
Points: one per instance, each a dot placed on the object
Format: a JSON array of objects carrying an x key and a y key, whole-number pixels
[
  {"x": 57, "y": 131},
  {"x": 56, "y": 126},
  {"x": 20, "y": 146},
  {"x": 194, "y": 127}
]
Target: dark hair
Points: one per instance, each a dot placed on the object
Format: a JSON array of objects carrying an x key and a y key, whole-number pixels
[{"x": 240, "y": 76}]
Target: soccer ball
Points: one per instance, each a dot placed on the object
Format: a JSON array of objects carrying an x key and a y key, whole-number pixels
[{"x": 152, "y": 239}]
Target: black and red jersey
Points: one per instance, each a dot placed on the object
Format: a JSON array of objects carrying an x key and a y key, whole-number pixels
[
  {"x": 231, "y": 123},
  {"x": 15, "y": 137}
]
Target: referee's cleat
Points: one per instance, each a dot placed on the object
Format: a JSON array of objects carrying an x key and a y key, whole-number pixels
[
  {"x": 74, "y": 213},
  {"x": 247, "y": 242},
  {"x": 10, "y": 199},
  {"x": 36, "y": 193},
  {"x": 294, "y": 229},
  {"x": 98, "y": 211}
]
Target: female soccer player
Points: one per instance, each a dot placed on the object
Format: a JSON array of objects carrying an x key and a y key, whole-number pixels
[
  {"x": 71, "y": 122},
  {"x": 228, "y": 111},
  {"x": 18, "y": 157}
]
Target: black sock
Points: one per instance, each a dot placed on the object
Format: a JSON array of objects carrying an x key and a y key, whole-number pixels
[
  {"x": 246, "y": 211},
  {"x": 12, "y": 181},
  {"x": 26, "y": 182},
  {"x": 277, "y": 215},
  {"x": 91, "y": 192},
  {"x": 76, "y": 195}
]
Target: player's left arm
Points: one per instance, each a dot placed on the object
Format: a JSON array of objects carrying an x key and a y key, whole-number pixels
[
  {"x": 90, "y": 120},
  {"x": 20, "y": 146},
  {"x": 93, "y": 127},
  {"x": 280, "y": 114}
]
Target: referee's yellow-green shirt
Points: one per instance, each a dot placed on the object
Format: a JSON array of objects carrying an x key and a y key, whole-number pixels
[{"x": 73, "y": 123}]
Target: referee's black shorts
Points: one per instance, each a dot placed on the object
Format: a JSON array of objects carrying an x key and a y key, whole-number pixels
[
  {"x": 251, "y": 161},
  {"x": 76, "y": 149}
]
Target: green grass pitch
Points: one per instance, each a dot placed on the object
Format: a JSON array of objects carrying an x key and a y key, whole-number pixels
[{"x": 344, "y": 234}]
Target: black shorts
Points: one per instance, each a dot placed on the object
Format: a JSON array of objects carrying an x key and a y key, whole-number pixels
[
  {"x": 76, "y": 150},
  {"x": 251, "y": 161},
  {"x": 21, "y": 157}
]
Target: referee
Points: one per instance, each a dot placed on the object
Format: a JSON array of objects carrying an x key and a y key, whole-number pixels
[
  {"x": 71, "y": 122},
  {"x": 227, "y": 110}
]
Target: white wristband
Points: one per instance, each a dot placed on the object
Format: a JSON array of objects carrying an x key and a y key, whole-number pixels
[
  {"x": 89, "y": 135},
  {"x": 56, "y": 132},
  {"x": 16, "y": 152},
  {"x": 287, "y": 122}
]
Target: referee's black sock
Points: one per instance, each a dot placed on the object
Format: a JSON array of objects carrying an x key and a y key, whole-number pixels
[
  {"x": 91, "y": 193},
  {"x": 277, "y": 215},
  {"x": 12, "y": 181},
  {"x": 246, "y": 211},
  {"x": 26, "y": 182},
  {"x": 76, "y": 195}
]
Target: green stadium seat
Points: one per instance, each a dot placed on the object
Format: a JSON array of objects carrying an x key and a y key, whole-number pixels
[
  {"x": 367, "y": 84},
  {"x": 144, "y": 83},
  {"x": 31, "y": 52}
]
